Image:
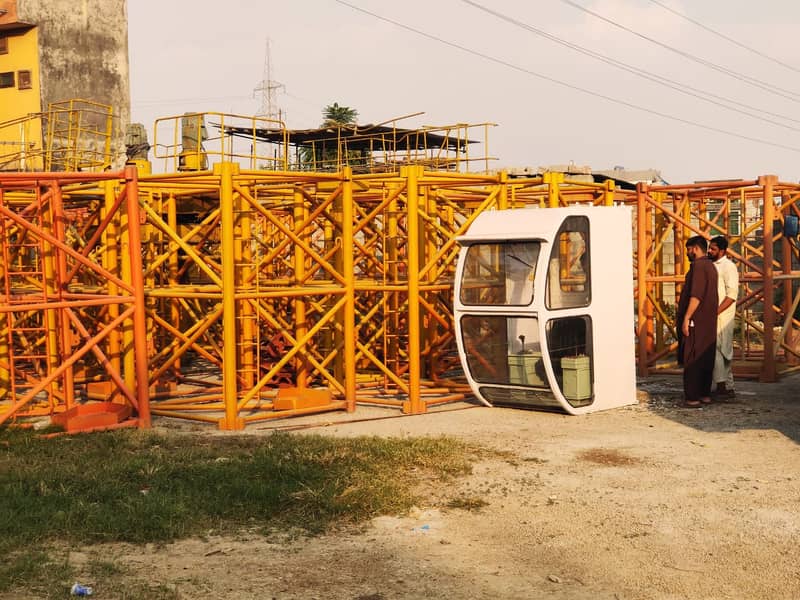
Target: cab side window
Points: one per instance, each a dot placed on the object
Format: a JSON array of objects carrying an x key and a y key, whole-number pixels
[{"x": 568, "y": 277}]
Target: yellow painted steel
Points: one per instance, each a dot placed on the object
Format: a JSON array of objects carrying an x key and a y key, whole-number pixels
[
  {"x": 255, "y": 280},
  {"x": 229, "y": 328},
  {"x": 275, "y": 293},
  {"x": 354, "y": 326},
  {"x": 553, "y": 181},
  {"x": 413, "y": 404},
  {"x": 244, "y": 148},
  {"x": 348, "y": 270},
  {"x": 74, "y": 135},
  {"x": 301, "y": 325},
  {"x": 768, "y": 182},
  {"x": 126, "y": 274},
  {"x": 78, "y": 136}
]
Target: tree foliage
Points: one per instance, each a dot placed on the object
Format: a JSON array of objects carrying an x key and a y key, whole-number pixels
[
  {"x": 333, "y": 114},
  {"x": 324, "y": 157}
]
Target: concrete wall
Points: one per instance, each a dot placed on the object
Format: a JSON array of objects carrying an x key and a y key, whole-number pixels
[{"x": 83, "y": 53}]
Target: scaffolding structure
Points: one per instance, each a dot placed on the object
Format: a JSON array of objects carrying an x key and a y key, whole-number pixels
[
  {"x": 232, "y": 295},
  {"x": 753, "y": 216},
  {"x": 70, "y": 136},
  {"x": 373, "y": 148},
  {"x": 70, "y": 328},
  {"x": 78, "y": 136}
]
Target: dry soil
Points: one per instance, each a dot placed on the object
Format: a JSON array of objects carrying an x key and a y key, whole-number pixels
[{"x": 651, "y": 501}]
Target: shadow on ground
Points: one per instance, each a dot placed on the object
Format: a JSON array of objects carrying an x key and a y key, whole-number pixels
[{"x": 774, "y": 406}]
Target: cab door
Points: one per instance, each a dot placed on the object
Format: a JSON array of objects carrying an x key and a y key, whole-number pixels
[{"x": 568, "y": 327}]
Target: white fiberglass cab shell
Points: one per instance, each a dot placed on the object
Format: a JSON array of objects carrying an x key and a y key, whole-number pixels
[{"x": 544, "y": 308}]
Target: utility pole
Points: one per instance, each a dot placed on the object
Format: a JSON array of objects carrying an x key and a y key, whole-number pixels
[{"x": 268, "y": 89}]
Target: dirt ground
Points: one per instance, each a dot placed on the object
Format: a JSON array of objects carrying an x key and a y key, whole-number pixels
[{"x": 651, "y": 501}]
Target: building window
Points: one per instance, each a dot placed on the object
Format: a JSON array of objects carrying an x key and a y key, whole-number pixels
[
  {"x": 24, "y": 80},
  {"x": 7, "y": 79},
  {"x": 3, "y": 44},
  {"x": 719, "y": 221}
]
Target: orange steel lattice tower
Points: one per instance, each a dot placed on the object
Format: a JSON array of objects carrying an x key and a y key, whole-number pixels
[{"x": 62, "y": 309}]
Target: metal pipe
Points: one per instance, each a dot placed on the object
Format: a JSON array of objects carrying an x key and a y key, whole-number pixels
[
  {"x": 59, "y": 283},
  {"x": 768, "y": 370},
  {"x": 348, "y": 271},
  {"x": 300, "y": 324},
  {"x": 231, "y": 419},
  {"x": 414, "y": 404},
  {"x": 134, "y": 259},
  {"x": 641, "y": 277}
]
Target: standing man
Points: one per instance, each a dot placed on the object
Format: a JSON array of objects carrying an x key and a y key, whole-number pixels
[
  {"x": 697, "y": 324},
  {"x": 728, "y": 291}
]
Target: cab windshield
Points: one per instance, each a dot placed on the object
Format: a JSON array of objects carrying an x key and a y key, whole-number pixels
[{"x": 499, "y": 274}]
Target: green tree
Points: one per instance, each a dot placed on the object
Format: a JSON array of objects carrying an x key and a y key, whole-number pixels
[
  {"x": 327, "y": 155},
  {"x": 333, "y": 114}
]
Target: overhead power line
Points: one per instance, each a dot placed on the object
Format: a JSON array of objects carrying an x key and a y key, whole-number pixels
[
  {"x": 725, "y": 37},
  {"x": 165, "y": 101},
  {"x": 563, "y": 83},
  {"x": 688, "y": 90},
  {"x": 767, "y": 87}
]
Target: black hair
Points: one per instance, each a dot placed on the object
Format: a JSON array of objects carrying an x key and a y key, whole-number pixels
[
  {"x": 699, "y": 241},
  {"x": 720, "y": 242}
]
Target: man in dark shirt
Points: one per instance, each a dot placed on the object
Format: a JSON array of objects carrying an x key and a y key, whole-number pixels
[{"x": 696, "y": 324}]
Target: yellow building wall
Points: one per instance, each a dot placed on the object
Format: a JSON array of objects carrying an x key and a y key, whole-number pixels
[{"x": 20, "y": 140}]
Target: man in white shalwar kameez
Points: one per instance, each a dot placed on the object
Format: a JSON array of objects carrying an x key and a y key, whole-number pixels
[{"x": 728, "y": 291}]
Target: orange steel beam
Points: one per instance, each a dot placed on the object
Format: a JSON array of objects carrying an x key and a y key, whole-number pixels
[
  {"x": 768, "y": 371},
  {"x": 691, "y": 212},
  {"x": 73, "y": 298},
  {"x": 343, "y": 282},
  {"x": 641, "y": 277},
  {"x": 131, "y": 192},
  {"x": 64, "y": 366}
]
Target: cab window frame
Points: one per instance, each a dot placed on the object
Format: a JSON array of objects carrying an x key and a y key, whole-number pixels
[{"x": 569, "y": 266}]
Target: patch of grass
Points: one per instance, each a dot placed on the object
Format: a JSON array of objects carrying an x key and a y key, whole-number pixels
[
  {"x": 104, "y": 569},
  {"x": 36, "y": 572},
  {"x": 140, "y": 590},
  {"x": 134, "y": 486},
  {"x": 111, "y": 580},
  {"x": 469, "y": 504}
]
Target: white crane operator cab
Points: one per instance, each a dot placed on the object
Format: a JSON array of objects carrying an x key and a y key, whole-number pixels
[{"x": 544, "y": 308}]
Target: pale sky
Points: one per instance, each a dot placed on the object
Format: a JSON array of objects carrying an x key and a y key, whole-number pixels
[{"x": 204, "y": 55}]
